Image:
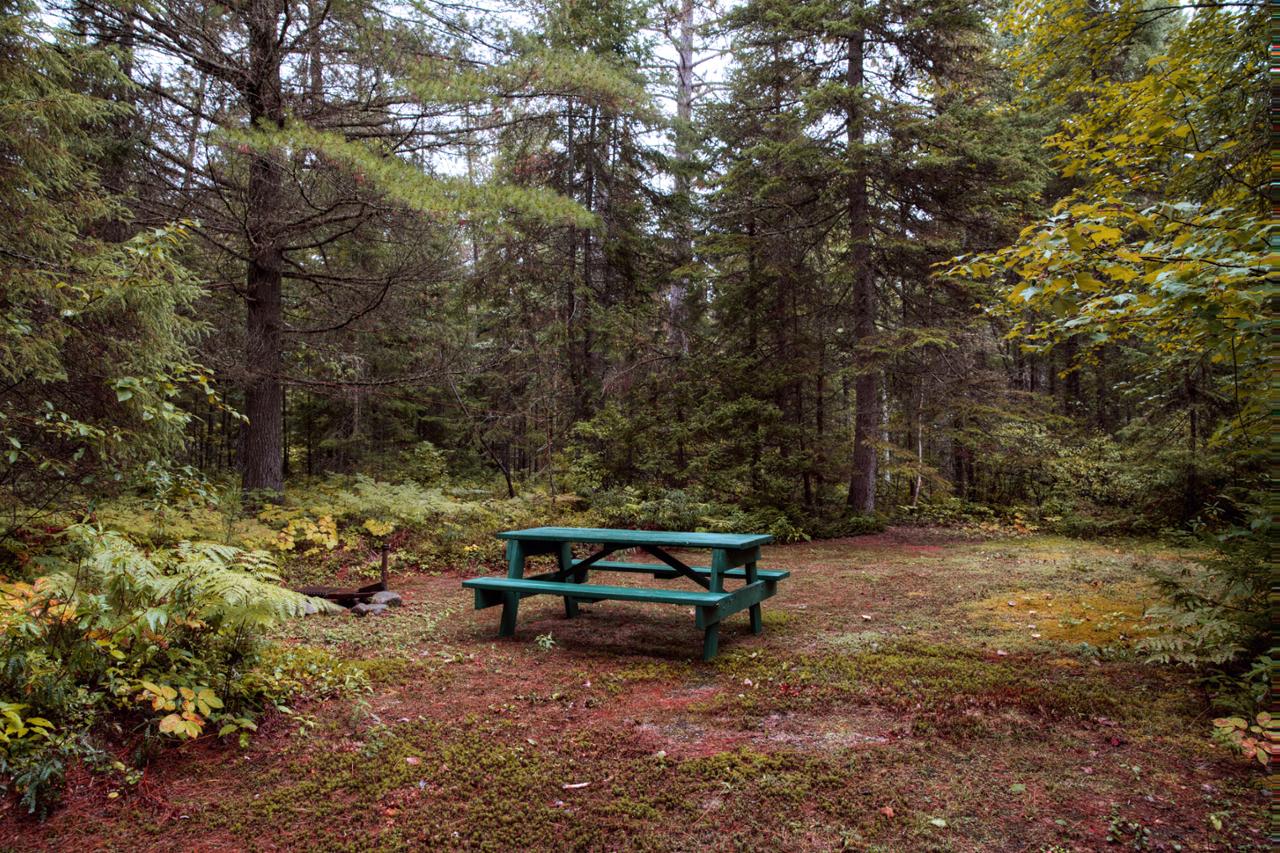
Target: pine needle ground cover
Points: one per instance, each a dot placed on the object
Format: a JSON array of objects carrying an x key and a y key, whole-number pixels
[{"x": 895, "y": 701}]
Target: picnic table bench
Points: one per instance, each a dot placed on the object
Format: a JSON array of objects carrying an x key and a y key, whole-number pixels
[{"x": 734, "y": 557}]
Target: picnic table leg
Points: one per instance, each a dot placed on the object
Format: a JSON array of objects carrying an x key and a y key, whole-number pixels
[
  {"x": 511, "y": 600},
  {"x": 719, "y": 565},
  {"x": 711, "y": 634},
  {"x": 710, "y": 641},
  {"x": 757, "y": 621},
  {"x": 566, "y": 565}
]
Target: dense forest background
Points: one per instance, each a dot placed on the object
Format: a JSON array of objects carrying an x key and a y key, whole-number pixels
[{"x": 647, "y": 253}]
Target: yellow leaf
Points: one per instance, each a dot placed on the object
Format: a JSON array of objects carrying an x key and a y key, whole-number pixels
[
  {"x": 1087, "y": 283},
  {"x": 1120, "y": 273}
]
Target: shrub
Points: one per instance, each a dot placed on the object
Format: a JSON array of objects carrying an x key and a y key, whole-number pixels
[
  {"x": 946, "y": 510},
  {"x": 1218, "y": 616},
  {"x": 163, "y": 644},
  {"x": 431, "y": 526},
  {"x": 425, "y": 464},
  {"x": 848, "y": 525}
]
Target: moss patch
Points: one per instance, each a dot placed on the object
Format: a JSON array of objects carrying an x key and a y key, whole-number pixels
[{"x": 1113, "y": 616}]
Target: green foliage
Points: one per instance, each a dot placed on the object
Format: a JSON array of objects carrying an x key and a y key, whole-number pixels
[
  {"x": 1159, "y": 247},
  {"x": 167, "y": 642},
  {"x": 1218, "y": 617},
  {"x": 405, "y": 182},
  {"x": 96, "y": 336},
  {"x": 1082, "y": 483},
  {"x": 337, "y": 518},
  {"x": 425, "y": 464},
  {"x": 1155, "y": 252},
  {"x": 675, "y": 509},
  {"x": 947, "y": 510},
  {"x": 624, "y": 469}
]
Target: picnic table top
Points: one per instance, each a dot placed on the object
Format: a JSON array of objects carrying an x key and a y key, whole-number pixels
[{"x": 667, "y": 538}]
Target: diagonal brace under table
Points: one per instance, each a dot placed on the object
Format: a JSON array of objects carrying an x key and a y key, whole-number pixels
[
  {"x": 578, "y": 571},
  {"x": 680, "y": 567},
  {"x": 572, "y": 572}
]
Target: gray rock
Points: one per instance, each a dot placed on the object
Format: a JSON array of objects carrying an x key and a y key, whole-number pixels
[
  {"x": 309, "y": 608},
  {"x": 368, "y": 609},
  {"x": 391, "y": 599}
]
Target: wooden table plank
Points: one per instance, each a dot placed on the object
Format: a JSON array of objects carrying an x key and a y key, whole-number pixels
[{"x": 636, "y": 538}]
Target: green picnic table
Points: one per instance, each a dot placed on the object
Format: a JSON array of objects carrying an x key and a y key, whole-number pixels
[{"x": 734, "y": 558}]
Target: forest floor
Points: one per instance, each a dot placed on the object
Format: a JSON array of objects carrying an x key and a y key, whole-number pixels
[{"x": 913, "y": 690}]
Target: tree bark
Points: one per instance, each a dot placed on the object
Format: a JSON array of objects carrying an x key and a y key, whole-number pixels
[
  {"x": 866, "y": 424},
  {"x": 677, "y": 296},
  {"x": 263, "y": 457}
]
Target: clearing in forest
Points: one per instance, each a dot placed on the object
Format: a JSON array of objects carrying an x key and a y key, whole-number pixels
[{"x": 912, "y": 691}]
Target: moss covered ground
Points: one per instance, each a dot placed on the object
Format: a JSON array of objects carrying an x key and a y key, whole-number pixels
[{"x": 912, "y": 691}]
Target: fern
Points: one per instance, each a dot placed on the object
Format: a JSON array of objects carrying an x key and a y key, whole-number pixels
[
  {"x": 218, "y": 584},
  {"x": 1217, "y": 616},
  {"x": 172, "y": 638}
]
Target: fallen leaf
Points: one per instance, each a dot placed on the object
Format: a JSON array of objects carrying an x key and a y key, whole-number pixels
[
  {"x": 413, "y": 759},
  {"x": 1017, "y": 788},
  {"x": 939, "y": 822},
  {"x": 887, "y": 811}
]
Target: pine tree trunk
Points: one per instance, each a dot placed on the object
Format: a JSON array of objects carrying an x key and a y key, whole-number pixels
[
  {"x": 918, "y": 485},
  {"x": 866, "y": 424},
  {"x": 677, "y": 296},
  {"x": 263, "y": 456}
]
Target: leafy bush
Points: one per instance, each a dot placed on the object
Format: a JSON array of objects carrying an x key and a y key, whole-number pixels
[
  {"x": 430, "y": 526},
  {"x": 1255, "y": 740},
  {"x": 425, "y": 464},
  {"x": 165, "y": 644},
  {"x": 848, "y": 525},
  {"x": 1218, "y": 616},
  {"x": 947, "y": 510}
]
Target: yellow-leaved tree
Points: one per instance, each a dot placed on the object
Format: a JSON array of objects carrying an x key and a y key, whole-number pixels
[{"x": 1156, "y": 246}]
